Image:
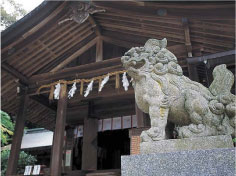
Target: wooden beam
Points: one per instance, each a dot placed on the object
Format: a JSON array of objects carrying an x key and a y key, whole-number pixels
[
  {"x": 226, "y": 54},
  {"x": 187, "y": 37},
  {"x": 8, "y": 68},
  {"x": 99, "y": 50},
  {"x": 90, "y": 74},
  {"x": 95, "y": 25},
  {"x": 72, "y": 71},
  {"x": 75, "y": 55},
  {"x": 58, "y": 137},
  {"x": 106, "y": 93},
  {"x": 17, "y": 137},
  {"x": 44, "y": 101}
]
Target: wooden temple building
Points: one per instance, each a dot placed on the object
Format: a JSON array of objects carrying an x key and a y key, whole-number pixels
[{"x": 69, "y": 40}]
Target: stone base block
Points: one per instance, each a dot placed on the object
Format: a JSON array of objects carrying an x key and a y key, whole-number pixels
[
  {"x": 172, "y": 145},
  {"x": 212, "y": 162}
]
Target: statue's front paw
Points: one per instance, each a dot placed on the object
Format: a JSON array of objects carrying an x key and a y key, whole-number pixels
[
  {"x": 145, "y": 137},
  {"x": 156, "y": 134},
  {"x": 196, "y": 131}
]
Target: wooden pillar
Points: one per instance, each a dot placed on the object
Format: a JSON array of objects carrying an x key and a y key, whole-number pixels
[
  {"x": 192, "y": 71},
  {"x": 18, "y": 134},
  {"x": 89, "y": 150},
  {"x": 99, "y": 50},
  {"x": 58, "y": 137},
  {"x": 209, "y": 75},
  {"x": 142, "y": 120},
  {"x": 187, "y": 37}
]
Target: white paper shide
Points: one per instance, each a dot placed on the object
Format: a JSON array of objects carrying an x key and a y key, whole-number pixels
[{"x": 57, "y": 91}]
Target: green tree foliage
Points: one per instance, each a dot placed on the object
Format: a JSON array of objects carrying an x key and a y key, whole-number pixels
[
  {"x": 24, "y": 160},
  {"x": 7, "y": 17},
  {"x": 7, "y": 128}
]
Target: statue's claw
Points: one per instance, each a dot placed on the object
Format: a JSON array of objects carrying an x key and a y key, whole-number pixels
[
  {"x": 153, "y": 134},
  {"x": 145, "y": 137},
  {"x": 196, "y": 131}
]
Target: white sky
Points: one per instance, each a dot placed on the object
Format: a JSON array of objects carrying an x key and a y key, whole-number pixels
[{"x": 29, "y": 5}]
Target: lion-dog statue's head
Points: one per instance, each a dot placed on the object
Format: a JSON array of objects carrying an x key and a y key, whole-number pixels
[{"x": 153, "y": 57}]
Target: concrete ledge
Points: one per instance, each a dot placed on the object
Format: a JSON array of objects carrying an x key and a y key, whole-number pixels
[
  {"x": 212, "y": 162},
  {"x": 172, "y": 145}
]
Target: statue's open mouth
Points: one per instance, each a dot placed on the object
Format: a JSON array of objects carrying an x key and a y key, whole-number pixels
[{"x": 135, "y": 64}]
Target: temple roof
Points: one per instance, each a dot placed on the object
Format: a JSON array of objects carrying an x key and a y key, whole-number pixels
[{"x": 59, "y": 35}]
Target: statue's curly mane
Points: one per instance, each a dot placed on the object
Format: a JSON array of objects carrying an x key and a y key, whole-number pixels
[{"x": 159, "y": 59}]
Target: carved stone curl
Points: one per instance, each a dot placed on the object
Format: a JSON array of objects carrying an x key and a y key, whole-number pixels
[{"x": 162, "y": 91}]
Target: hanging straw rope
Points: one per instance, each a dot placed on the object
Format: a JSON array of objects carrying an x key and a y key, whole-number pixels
[{"x": 82, "y": 81}]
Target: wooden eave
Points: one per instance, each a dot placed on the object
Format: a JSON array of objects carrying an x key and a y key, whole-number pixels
[{"x": 37, "y": 49}]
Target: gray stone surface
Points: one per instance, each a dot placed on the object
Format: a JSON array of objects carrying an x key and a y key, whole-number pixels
[
  {"x": 214, "y": 162},
  {"x": 173, "y": 145}
]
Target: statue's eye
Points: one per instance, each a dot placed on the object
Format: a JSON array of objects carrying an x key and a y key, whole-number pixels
[
  {"x": 160, "y": 55},
  {"x": 127, "y": 54}
]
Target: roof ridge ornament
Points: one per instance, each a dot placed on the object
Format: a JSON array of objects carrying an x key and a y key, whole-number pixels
[{"x": 80, "y": 11}]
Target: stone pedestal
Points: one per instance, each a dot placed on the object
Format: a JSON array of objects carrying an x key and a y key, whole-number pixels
[
  {"x": 207, "y": 156},
  {"x": 173, "y": 145}
]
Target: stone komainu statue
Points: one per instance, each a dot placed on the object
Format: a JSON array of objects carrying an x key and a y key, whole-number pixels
[{"x": 166, "y": 94}]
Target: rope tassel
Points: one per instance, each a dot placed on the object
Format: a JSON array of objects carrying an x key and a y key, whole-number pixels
[
  {"x": 51, "y": 93},
  {"x": 81, "y": 87},
  {"x": 101, "y": 79},
  {"x": 117, "y": 81}
]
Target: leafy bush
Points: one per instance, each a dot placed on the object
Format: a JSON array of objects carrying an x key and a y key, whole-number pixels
[
  {"x": 7, "y": 128},
  {"x": 234, "y": 140},
  {"x": 24, "y": 160}
]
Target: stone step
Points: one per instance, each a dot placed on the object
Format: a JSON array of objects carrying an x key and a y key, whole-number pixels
[
  {"x": 112, "y": 172},
  {"x": 104, "y": 174}
]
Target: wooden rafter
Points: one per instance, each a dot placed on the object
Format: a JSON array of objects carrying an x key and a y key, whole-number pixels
[
  {"x": 119, "y": 42},
  {"x": 18, "y": 43},
  {"x": 44, "y": 101},
  {"x": 75, "y": 55},
  {"x": 98, "y": 31},
  {"x": 190, "y": 10},
  {"x": 99, "y": 49},
  {"x": 95, "y": 25},
  {"x": 176, "y": 49},
  {"x": 8, "y": 68}
]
